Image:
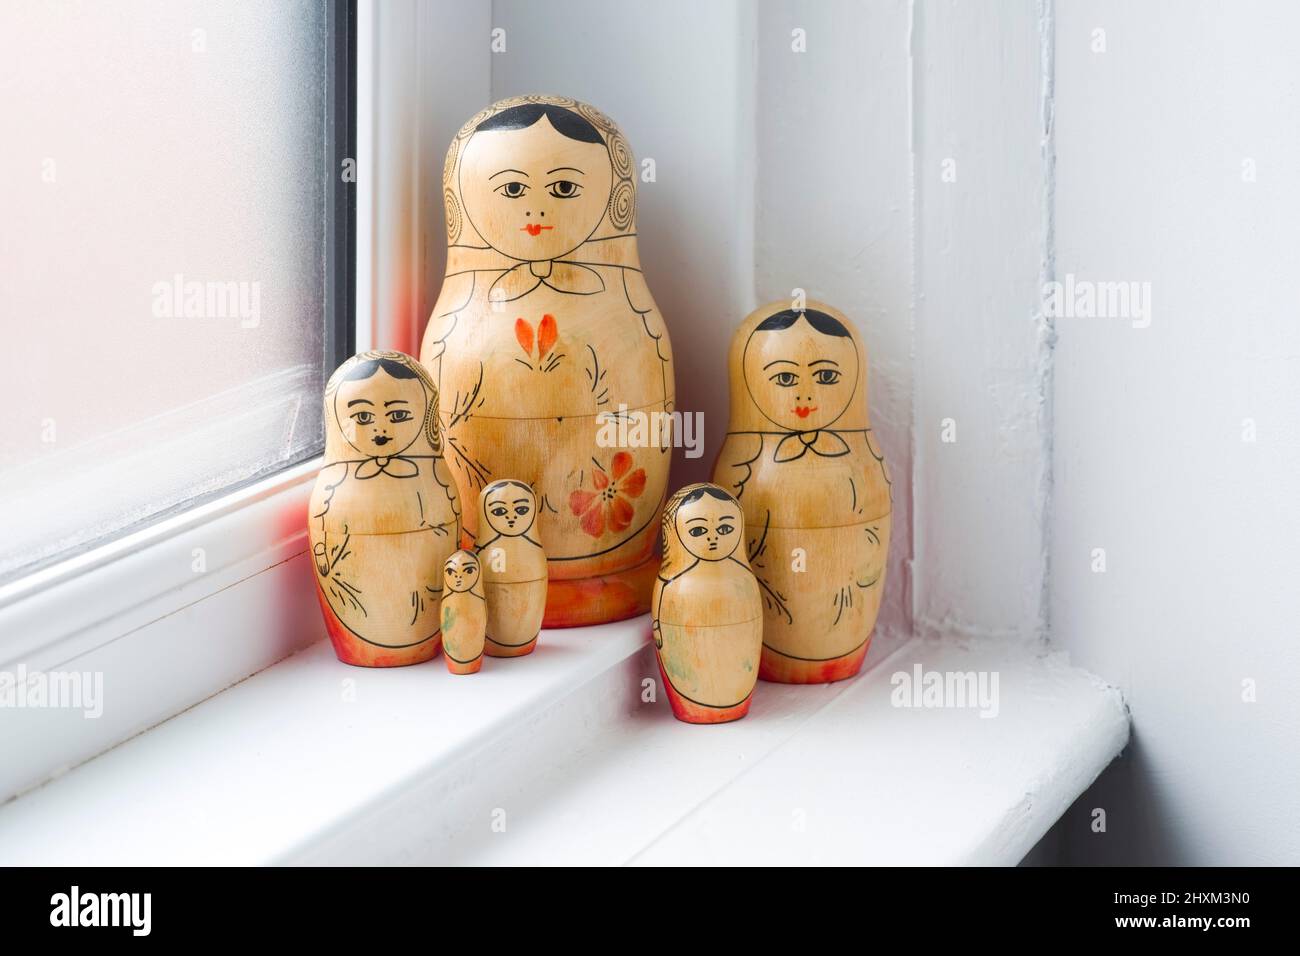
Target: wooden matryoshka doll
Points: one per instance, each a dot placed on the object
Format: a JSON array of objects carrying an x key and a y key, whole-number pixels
[
  {"x": 543, "y": 323},
  {"x": 514, "y": 567},
  {"x": 800, "y": 458},
  {"x": 464, "y": 613},
  {"x": 708, "y": 612},
  {"x": 384, "y": 514}
]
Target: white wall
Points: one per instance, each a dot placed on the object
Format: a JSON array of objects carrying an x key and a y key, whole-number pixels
[
  {"x": 982, "y": 348},
  {"x": 1199, "y": 526}
]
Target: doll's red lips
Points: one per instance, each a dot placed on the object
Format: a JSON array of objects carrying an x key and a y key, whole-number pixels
[
  {"x": 803, "y": 411},
  {"x": 534, "y": 228}
]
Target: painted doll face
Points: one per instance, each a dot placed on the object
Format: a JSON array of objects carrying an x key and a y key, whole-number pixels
[
  {"x": 380, "y": 416},
  {"x": 534, "y": 194},
  {"x": 510, "y": 508},
  {"x": 799, "y": 378},
  {"x": 709, "y": 528},
  {"x": 460, "y": 572}
]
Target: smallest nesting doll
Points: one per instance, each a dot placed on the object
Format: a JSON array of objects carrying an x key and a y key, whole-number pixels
[
  {"x": 464, "y": 613},
  {"x": 708, "y": 612},
  {"x": 514, "y": 567}
]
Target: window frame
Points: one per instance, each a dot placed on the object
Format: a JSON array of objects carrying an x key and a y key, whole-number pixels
[{"x": 142, "y": 608}]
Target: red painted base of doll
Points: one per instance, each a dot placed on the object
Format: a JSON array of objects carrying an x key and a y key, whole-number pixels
[
  {"x": 350, "y": 649},
  {"x": 601, "y": 599},
  {"x": 466, "y": 667},
  {"x": 779, "y": 669},
  {"x": 690, "y": 712},
  {"x": 493, "y": 649}
]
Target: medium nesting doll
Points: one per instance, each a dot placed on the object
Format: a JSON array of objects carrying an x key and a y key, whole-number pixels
[
  {"x": 514, "y": 567},
  {"x": 464, "y": 613},
  {"x": 384, "y": 514},
  {"x": 545, "y": 322},
  {"x": 800, "y": 458},
  {"x": 708, "y": 613}
]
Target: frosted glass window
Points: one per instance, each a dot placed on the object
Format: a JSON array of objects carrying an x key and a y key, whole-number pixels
[{"x": 163, "y": 257}]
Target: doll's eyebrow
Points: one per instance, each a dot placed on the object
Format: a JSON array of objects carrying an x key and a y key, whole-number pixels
[
  {"x": 504, "y": 171},
  {"x": 521, "y": 501},
  {"x": 360, "y": 401},
  {"x": 778, "y": 362},
  {"x": 560, "y": 169},
  {"x": 396, "y": 401},
  {"x": 823, "y": 362},
  {"x": 693, "y": 520}
]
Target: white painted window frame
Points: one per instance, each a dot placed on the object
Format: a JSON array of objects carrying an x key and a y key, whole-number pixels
[{"x": 186, "y": 606}]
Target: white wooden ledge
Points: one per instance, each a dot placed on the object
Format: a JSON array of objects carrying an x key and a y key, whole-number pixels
[{"x": 556, "y": 759}]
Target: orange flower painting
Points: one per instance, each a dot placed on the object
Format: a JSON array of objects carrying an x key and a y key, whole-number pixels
[{"x": 609, "y": 506}]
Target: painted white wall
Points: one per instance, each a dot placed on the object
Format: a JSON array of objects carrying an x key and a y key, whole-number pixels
[
  {"x": 1152, "y": 461},
  {"x": 981, "y": 346}
]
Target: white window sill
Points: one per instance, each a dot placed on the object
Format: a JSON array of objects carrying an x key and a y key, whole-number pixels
[{"x": 424, "y": 767}]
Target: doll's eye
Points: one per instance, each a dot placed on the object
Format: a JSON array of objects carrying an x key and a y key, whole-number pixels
[
  {"x": 786, "y": 379},
  {"x": 513, "y": 190},
  {"x": 470, "y": 569},
  {"x": 564, "y": 189},
  {"x": 725, "y": 529},
  {"x": 499, "y": 510},
  {"x": 697, "y": 531},
  {"x": 522, "y": 510},
  {"x": 364, "y": 418},
  {"x": 399, "y": 415},
  {"x": 826, "y": 376}
]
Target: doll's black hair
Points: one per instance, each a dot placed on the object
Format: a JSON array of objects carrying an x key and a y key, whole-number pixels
[
  {"x": 703, "y": 490},
  {"x": 369, "y": 367},
  {"x": 566, "y": 122},
  {"x": 507, "y": 482},
  {"x": 823, "y": 323}
]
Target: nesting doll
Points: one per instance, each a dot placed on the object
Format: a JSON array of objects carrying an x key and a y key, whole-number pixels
[
  {"x": 707, "y": 608},
  {"x": 514, "y": 571},
  {"x": 464, "y": 613},
  {"x": 801, "y": 459},
  {"x": 544, "y": 332},
  {"x": 384, "y": 514}
]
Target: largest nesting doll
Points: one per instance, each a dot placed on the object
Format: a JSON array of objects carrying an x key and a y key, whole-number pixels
[
  {"x": 545, "y": 322},
  {"x": 800, "y": 458},
  {"x": 384, "y": 514}
]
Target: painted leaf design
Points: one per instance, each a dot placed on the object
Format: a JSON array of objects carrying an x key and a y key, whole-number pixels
[
  {"x": 547, "y": 333},
  {"x": 524, "y": 335}
]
